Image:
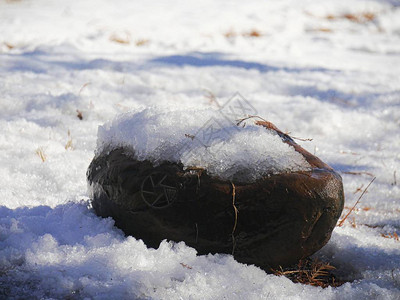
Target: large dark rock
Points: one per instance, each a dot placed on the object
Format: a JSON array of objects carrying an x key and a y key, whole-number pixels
[{"x": 275, "y": 221}]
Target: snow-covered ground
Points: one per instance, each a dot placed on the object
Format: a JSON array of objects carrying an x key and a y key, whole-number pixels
[{"x": 326, "y": 70}]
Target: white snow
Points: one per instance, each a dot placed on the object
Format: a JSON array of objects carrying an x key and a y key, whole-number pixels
[
  {"x": 318, "y": 69},
  {"x": 201, "y": 138}
]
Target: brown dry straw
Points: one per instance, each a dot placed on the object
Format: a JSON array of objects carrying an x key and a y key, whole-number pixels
[
  {"x": 311, "y": 272},
  {"x": 69, "y": 145},
  {"x": 41, "y": 154},
  {"x": 354, "y": 206}
]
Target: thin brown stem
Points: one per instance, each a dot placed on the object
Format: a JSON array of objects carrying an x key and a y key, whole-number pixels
[
  {"x": 354, "y": 206},
  {"x": 236, "y": 217}
]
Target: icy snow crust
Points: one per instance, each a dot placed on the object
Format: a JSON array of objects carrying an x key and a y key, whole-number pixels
[
  {"x": 332, "y": 79},
  {"x": 202, "y": 138}
]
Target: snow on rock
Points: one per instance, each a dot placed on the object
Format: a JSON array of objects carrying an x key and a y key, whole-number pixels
[{"x": 203, "y": 138}]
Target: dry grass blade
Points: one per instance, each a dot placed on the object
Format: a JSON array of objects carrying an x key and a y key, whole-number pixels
[
  {"x": 230, "y": 34},
  {"x": 349, "y": 152},
  {"x": 320, "y": 271},
  {"x": 211, "y": 98},
  {"x": 83, "y": 86},
  {"x": 361, "y": 18},
  {"x": 320, "y": 29},
  {"x": 252, "y": 33},
  {"x": 355, "y": 204},
  {"x": 301, "y": 139},
  {"x": 9, "y": 46},
  {"x": 186, "y": 266},
  {"x": 68, "y": 145},
  {"x": 141, "y": 42},
  {"x": 120, "y": 40},
  {"x": 41, "y": 154},
  {"x": 358, "y": 173}
]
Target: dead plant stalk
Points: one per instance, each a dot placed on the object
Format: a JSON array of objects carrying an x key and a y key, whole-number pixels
[
  {"x": 41, "y": 154},
  {"x": 355, "y": 204},
  {"x": 236, "y": 217}
]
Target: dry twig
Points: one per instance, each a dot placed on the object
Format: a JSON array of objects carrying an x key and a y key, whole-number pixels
[
  {"x": 236, "y": 217},
  {"x": 355, "y": 204}
]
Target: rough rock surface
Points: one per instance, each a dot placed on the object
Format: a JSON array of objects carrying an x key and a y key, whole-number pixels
[{"x": 275, "y": 221}]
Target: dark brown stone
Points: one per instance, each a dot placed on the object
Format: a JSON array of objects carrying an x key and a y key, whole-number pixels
[{"x": 275, "y": 221}]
